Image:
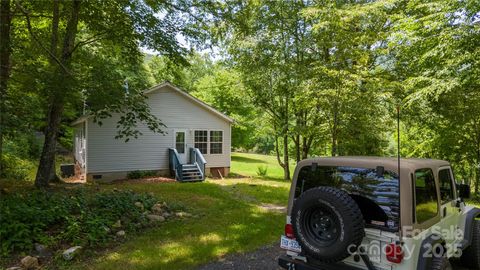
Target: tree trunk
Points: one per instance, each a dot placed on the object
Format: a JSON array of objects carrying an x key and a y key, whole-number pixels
[
  {"x": 46, "y": 167},
  {"x": 5, "y": 51},
  {"x": 286, "y": 168},
  {"x": 334, "y": 133},
  {"x": 307, "y": 143},
  {"x": 47, "y": 158},
  {"x": 297, "y": 148},
  {"x": 477, "y": 177}
]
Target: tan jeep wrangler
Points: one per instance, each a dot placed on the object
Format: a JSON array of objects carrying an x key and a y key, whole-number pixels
[{"x": 361, "y": 213}]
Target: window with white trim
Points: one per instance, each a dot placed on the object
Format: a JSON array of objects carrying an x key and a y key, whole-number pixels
[
  {"x": 201, "y": 140},
  {"x": 216, "y": 142}
]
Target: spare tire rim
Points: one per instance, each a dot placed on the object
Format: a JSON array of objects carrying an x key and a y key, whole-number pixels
[{"x": 322, "y": 226}]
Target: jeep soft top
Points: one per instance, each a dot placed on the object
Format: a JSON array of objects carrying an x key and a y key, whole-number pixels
[{"x": 341, "y": 207}]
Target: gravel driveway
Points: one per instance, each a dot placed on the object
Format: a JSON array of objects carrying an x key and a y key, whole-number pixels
[{"x": 264, "y": 258}]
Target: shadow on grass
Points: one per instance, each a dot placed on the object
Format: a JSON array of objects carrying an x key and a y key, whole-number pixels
[
  {"x": 221, "y": 224},
  {"x": 247, "y": 159}
]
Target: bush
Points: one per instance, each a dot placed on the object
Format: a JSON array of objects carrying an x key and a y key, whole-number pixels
[
  {"x": 15, "y": 168},
  {"x": 262, "y": 170},
  {"x": 76, "y": 217},
  {"x": 141, "y": 174}
]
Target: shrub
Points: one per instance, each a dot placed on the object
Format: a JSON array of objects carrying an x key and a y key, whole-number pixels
[
  {"x": 262, "y": 170},
  {"x": 75, "y": 217},
  {"x": 141, "y": 174},
  {"x": 15, "y": 168}
]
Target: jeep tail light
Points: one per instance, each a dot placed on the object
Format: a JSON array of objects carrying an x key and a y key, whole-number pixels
[
  {"x": 394, "y": 253},
  {"x": 289, "y": 231}
]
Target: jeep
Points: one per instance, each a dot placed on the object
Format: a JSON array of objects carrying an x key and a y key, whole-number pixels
[{"x": 378, "y": 213}]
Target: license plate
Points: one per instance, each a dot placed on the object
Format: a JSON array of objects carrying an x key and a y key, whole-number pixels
[{"x": 289, "y": 244}]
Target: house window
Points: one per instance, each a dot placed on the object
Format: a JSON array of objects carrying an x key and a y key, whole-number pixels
[
  {"x": 201, "y": 140},
  {"x": 216, "y": 142}
]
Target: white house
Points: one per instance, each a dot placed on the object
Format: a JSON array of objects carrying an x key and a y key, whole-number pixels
[{"x": 192, "y": 127}]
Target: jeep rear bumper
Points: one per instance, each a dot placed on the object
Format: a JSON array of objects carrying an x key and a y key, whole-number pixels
[{"x": 289, "y": 263}]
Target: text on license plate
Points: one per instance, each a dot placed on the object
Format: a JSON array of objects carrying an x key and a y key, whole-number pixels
[{"x": 289, "y": 244}]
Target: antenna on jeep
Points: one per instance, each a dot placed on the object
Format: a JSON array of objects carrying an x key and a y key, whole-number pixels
[{"x": 398, "y": 164}]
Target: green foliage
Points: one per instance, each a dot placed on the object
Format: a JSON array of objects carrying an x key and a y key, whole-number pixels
[
  {"x": 141, "y": 174},
  {"x": 15, "y": 168},
  {"x": 262, "y": 170},
  {"x": 76, "y": 217}
]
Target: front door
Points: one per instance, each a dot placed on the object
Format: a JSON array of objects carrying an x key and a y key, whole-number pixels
[{"x": 180, "y": 145}]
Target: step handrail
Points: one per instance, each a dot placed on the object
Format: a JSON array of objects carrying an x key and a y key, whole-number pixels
[
  {"x": 196, "y": 157},
  {"x": 175, "y": 165}
]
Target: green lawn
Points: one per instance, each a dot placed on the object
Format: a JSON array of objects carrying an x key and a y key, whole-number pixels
[
  {"x": 247, "y": 165},
  {"x": 228, "y": 217}
]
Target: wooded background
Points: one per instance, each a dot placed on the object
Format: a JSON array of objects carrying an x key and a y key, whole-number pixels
[{"x": 300, "y": 78}]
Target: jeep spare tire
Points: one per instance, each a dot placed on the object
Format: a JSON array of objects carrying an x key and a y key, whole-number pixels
[{"x": 328, "y": 224}]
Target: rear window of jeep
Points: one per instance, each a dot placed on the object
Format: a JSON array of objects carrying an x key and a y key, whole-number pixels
[{"x": 376, "y": 193}]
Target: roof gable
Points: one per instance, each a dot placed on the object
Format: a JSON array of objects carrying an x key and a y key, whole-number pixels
[
  {"x": 179, "y": 91},
  {"x": 191, "y": 98}
]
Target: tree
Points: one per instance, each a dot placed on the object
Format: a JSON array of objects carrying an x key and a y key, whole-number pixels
[
  {"x": 436, "y": 52},
  {"x": 5, "y": 52},
  {"x": 223, "y": 89},
  {"x": 66, "y": 34},
  {"x": 268, "y": 42}
]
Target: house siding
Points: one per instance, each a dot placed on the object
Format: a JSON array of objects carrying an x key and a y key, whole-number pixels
[{"x": 150, "y": 150}]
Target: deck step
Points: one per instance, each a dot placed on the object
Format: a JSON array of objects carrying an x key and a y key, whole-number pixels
[{"x": 191, "y": 173}]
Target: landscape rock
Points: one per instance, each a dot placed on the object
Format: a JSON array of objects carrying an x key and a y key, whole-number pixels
[
  {"x": 155, "y": 218},
  {"x": 139, "y": 205},
  {"x": 29, "y": 262},
  {"x": 71, "y": 252},
  {"x": 42, "y": 250},
  {"x": 117, "y": 224},
  {"x": 15, "y": 268},
  {"x": 182, "y": 214},
  {"x": 166, "y": 214},
  {"x": 157, "y": 208},
  {"x": 121, "y": 233},
  {"x": 107, "y": 229}
]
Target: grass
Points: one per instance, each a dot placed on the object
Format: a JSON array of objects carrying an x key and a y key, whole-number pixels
[
  {"x": 247, "y": 165},
  {"x": 227, "y": 218}
]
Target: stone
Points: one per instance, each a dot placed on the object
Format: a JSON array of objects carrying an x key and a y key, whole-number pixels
[
  {"x": 166, "y": 214},
  {"x": 15, "y": 268},
  {"x": 42, "y": 251},
  {"x": 182, "y": 214},
  {"x": 71, "y": 252},
  {"x": 117, "y": 224},
  {"x": 121, "y": 233},
  {"x": 155, "y": 218},
  {"x": 157, "y": 208},
  {"x": 139, "y": 205},
  {"x": 107, "y": 229},
  {"x": 29, "y": 262}
]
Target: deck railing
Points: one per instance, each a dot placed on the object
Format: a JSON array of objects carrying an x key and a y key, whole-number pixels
[
  {"x": 197, "y": 158},
  {"x": 175, "y": 164}
]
